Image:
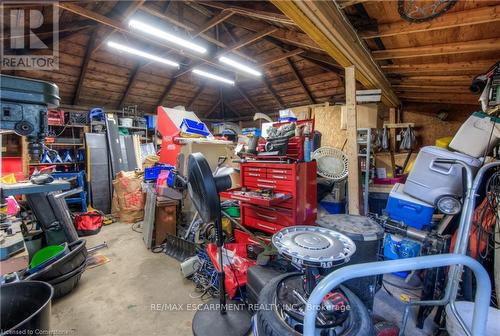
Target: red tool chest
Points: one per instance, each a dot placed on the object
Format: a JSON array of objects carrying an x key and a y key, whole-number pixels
[{"x": 295, "y": 198}]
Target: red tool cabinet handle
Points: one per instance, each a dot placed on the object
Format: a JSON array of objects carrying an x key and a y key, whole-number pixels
[
  {"x": 266, "y": 186},
  {"x": 266, "y": 216},
  {"x": 266, "y": 181}
]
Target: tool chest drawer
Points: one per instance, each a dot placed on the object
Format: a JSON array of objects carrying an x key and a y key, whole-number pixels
[
  {"x": 262, "y": 225},
  {"x": 265, "y": 183},
  {"x": 284, "y": 217},
  {"x": 244, "y": 238},
  {"x": 253, "y": 198}
]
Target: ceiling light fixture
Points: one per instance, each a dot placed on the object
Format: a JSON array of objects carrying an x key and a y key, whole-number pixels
[
  {"x": 142, "y": 54},
  {"x": 239, "y": 66},
  {"x": 148, "y": 29},
  {"x": 212, "y": 76}
]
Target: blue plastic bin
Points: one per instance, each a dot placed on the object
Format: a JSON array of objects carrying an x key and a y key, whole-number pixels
[
  {"x": 151, "y": 174},
  {"x": 411, "y": 211},
  {"x": 193, "y": 126},
  {"x": 333, "y": 208}
]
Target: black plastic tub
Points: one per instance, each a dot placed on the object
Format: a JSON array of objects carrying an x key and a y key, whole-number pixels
[
  {"x": 25, "y": 308},
  {"x": 65, "y": 284},
  {"x": 65, "y": 265}
]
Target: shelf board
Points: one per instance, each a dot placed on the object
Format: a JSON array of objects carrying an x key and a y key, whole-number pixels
[
  {"x": 71, "y": 126},
  {"x": 64, "y": 144},
  {"x": 56, "y": 164},
  {"x": 134, "y": 127}
]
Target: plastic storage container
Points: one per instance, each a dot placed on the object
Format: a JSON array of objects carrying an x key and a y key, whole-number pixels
[
  {"x": 333, "y": 207},
  {"x": 428, "y": 181},
  {"x": 409, "y": 210},
  {"x": 473, "y": 137}
]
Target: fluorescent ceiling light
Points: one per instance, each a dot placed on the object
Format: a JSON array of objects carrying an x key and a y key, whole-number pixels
[
  {"x": 239, "y": 66},
  {"x": 142, "y": 54},
  {"x": 213, "y": 76},
  {"x": 145, "y": 28}
]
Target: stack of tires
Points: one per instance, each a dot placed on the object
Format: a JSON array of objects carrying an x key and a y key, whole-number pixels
[{"x": 65, "y": 273}]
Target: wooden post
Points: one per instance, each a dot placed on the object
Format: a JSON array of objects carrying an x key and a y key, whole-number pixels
[
  {"x": 352, "y": 145},
  {"x": 392, "y": 140}
]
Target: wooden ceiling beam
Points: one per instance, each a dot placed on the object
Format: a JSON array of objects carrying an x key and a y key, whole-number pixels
[
  {"x": 295, "y": 38},
  {"x": 85, "y": 65},
  {"x": 212, "y": 108},
  {"x": 330, "y": 29},
  {"x": 492, "y": 44},
  {"x": 230, "y": 108},
  {"x": 273, "y": 93},
  {"x": 277, "y": 58},
  {"x": 447, "y": 98},
  {"x": 476, "y": 67},
  {"x": 195, "y": 97},
  {"x": 487, "y": 14},
  {"x": 301, "y": 81},
  {"x": 245, "y": 96},
  {"x": 251, "y": 38},
  {"x": 348, "y": 3},
  {"x": 214, "y": 21},
  {"x": 431, "y": 88},
  {"x": 133, "y": 77},
  {"x": 253, "y": 13},
  {"x": 166, "y": 92}
]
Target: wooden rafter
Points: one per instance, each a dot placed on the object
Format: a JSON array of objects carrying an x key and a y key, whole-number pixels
[
  {"x": 485, "y": 45},
  {"x": 214, "y": 21},
  {"x": 167, "y": 90},
  {"x": 300, "y": 80},
  {"x": 349, "y": 3},
  {"x": 481, "y": 15},
  {"x": 195, "y": 97},
  {"x": 251, "y": 38},
  {"x": 257, "y": 14},
  {"x": 458, "y": 80},
  {"x": 212, "y": 108},
  {"x": 475, "y": 67},
  {"x": 133, "y": 77},
  {"x": 430, "y": 88},
  {"x": 230, "y": 108},
  {"x": 329, "y": 28},
  {"x": 279, "y": 57},
  {"x": 247, "y": 98},
  {"x": 131, "y": 9},
  {"x": 273, "y": 93},
  {"x": 295, "y": 38},
  {"x": 85, "y": 63},
  {"x": 449, "y": 98}
]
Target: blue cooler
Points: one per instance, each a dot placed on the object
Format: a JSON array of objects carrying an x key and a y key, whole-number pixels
[
  {"x": 333, "y": 207},
  {"x": 411, "y": 211}
]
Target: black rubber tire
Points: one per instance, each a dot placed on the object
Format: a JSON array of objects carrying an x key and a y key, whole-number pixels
[{"x": 270, "y": 324}]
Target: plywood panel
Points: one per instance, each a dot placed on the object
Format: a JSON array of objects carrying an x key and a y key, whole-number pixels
[{"x": 327, "y": 121}]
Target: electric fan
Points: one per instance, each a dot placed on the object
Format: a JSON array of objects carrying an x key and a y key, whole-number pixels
[
  {"x": 213, "y": 318},
  {"x": 332, "y": 163}
]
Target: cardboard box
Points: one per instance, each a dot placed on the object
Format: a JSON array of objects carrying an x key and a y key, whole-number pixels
[{"x": 368, "y": 116}]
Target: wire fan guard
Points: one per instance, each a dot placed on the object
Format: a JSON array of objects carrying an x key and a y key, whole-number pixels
[{"x": 332, "y": 163}]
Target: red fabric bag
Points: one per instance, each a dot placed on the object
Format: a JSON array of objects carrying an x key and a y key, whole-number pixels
[{"x": 88, "y": 223}]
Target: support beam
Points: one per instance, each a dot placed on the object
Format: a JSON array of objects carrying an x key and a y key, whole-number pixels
[
  {"x": 485, "y": 45},
  {"x": 253, "y": 13},
  {"x": 251, "y": 38},
  {"x": 133, "y": 77},
  {"x": 330, "y": 29},
  {"x": 301, "y": 81},
  {"x": 212, "y": 109},
  {"x": 230, "y": 108},
  {"x": 219, "y": 18},
  {"x": 295, "y": 38},
  {"x": 475, "y": 67},
  {"x": 273, "y": 93},
  {"x": 165, "y": 93},
  {"x": 474, "y": 16},
  {"x": 449, "y": 98},
  {"x": 245, "y": 96},
  {"x": 434, "y": 80},
  {"x": 432, "y": 89},
  {"x": 348, "y": 3},
  {"x": 352, "y": 143},
  {"x": 85, "y": 65},
  {"x": 277, "y": 58},
  {"x": 195, "y": 97}
]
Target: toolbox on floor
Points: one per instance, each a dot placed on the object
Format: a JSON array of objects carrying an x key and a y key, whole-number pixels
[
  {"x": 411, "y": 211},
  {"x": 428, "y": 180}
]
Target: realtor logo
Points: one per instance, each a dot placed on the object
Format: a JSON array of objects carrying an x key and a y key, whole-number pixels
[{"x": 30, "y": 35}]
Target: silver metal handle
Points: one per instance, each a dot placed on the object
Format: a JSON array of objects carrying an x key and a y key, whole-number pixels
[
  {"x": 266, "y": 181},
  {"x": 266, "y": 227},
  {"x": 266, "y": 216},
  {"x": 265, "y": 186},
  {"x": 240, "y": 198}
]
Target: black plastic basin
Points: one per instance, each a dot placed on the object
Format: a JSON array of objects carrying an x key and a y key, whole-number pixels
[{"x": 25, "y": 307}]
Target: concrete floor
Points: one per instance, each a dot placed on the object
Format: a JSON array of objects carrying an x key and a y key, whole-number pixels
[{"x": 116, "y": 298}]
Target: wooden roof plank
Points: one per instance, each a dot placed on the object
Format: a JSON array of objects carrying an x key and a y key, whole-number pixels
[
  {"x": 485, "y": 45},
  {"x": 448, "y": 20}
]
